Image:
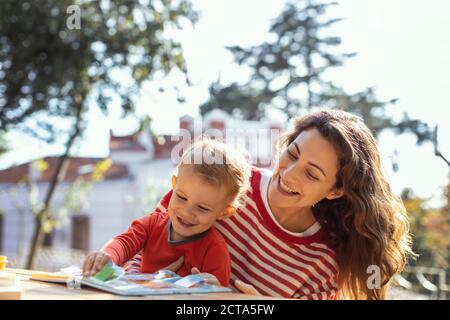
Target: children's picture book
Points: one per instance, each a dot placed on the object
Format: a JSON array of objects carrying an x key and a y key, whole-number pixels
[{"x": 114, "y": 279}]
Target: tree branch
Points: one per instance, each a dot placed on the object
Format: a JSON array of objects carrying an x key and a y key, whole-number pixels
[{"x": 436, "y": 148}]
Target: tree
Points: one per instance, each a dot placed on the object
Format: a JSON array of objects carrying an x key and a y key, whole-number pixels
[
  {"x": 48, "y": 70},
  {"x": 431, "y": 226},
  {"x": 373, "y": 111},
  {"x": 292, "y": 63},
  {"x": 3, "y": 144},
  {"x": 363, "y": 103},
  {"x": 243, "y": 101},
  {"x": 45, "y": 66},
  {"x": 287, "y": 75},
  {"x": 431, "y": 229}
]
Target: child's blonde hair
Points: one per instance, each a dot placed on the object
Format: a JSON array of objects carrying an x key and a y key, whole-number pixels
[{"x": 221, "y": 165}]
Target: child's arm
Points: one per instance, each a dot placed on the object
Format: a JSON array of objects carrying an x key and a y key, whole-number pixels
[
  {"x": 121, "y": 248},
  {"x": 134, "y": 264},
  {"x": 126, "y": 245}
]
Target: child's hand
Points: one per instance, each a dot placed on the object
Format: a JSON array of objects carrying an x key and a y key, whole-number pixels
[
  {"x": 94, "y": 262},
  {"x": 207, "y": 277}
]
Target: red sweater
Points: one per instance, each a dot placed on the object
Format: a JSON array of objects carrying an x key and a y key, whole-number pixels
[{"x": 207, "y": 251}]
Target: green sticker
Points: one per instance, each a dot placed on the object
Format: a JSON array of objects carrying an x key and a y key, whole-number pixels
[{"x": 106, "y": 273}]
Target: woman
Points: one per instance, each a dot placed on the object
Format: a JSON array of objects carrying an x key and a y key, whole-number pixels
[{"x": 323, "y": 221}]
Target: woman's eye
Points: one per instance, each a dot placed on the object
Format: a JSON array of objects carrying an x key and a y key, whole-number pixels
[
  {"x": 311, "y": 176},
  {"x": 291, "y": 155}
]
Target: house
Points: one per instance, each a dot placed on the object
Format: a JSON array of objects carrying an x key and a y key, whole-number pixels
[{"x": 139, "y": 175}]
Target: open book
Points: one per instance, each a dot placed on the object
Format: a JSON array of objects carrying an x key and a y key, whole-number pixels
[{"x": 113, "y": 279}]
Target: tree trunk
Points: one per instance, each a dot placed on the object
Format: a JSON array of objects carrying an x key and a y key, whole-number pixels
[{"x": 44, "y": 214}]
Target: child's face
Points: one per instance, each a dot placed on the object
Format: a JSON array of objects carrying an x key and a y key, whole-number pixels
[{"x": 196, "y": 203}]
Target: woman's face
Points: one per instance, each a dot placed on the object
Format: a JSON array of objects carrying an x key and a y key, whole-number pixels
[{"x": 305, "y": 172}]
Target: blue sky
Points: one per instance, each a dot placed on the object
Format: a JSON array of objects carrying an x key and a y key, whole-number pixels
[{"x": 403, "y": 50}]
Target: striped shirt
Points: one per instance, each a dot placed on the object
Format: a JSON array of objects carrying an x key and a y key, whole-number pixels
[{"x": 275, "y": 261}]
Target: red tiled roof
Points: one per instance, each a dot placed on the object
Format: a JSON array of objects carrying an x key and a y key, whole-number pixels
[
  {"x": 17, "y": 173},
  {"x": 14, "y": 174},
  {"x": 163, "y": 145},
  {"x": 128, "y": 143}
]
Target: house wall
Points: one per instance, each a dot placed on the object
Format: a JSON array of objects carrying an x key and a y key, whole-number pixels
[{"x": 112, "y": 206}]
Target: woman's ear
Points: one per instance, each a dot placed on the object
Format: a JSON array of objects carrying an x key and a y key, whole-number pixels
[
  {"x": 229, "y": 211},
  {"x": 174, "y": 182},
  {"x": 335, "y": 194}
]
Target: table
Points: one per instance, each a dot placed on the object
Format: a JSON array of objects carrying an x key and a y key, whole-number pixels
[{"x": 39, "y": 290}]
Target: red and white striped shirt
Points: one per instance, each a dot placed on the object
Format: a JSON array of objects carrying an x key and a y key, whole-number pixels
[{"x": 275, "y": 261}]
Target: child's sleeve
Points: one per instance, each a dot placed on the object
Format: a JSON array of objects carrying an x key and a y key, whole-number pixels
[
  {"x": 133, "y": 265},
  {"x": 123, "y": 247},
  {"x": 217, "y": 262}
]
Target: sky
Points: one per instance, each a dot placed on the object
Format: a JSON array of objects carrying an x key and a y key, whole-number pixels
[{"x": 403, "y": 50}]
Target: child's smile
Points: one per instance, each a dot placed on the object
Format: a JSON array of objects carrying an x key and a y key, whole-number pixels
[{"x": 185, "y": 223}]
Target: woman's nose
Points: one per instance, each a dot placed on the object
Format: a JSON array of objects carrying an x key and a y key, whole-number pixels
[
  {"x": 291, "y": 172},
  {"x": 292, "y": 168}
]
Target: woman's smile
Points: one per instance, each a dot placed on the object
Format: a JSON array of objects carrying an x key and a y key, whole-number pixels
[{"x": 284, "y": 189}]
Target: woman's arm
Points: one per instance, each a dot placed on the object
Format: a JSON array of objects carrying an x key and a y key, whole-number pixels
[{"x": 246, "y": 288}]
